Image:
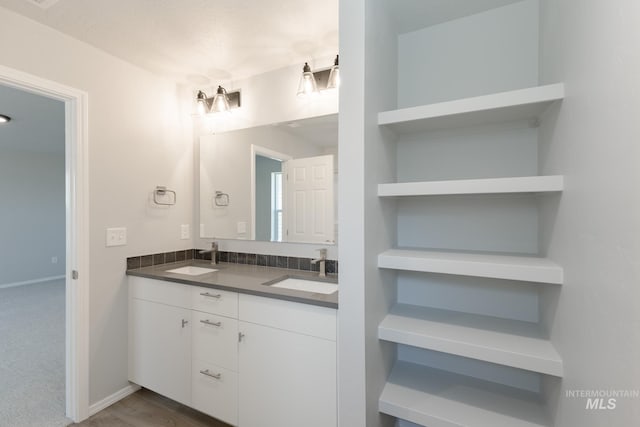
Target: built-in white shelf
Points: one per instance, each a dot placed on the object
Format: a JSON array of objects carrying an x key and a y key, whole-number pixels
[
  {"x": 521, "y": 184},
  {"x": 529, "y": 269},
  {"x": 523, "y": 104},
  {"x": 506, "y": 342},
  {"x": 430, "y": 397}
]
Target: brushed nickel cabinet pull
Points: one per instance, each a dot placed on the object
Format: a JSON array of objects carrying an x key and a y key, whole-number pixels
[
  {"x": 207, "y": 294},
  {"x": 209, "y": 374},
  {"x": 209, "y": 322}
]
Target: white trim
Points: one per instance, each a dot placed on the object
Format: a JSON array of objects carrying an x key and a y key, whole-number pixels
[
  {"x": 265, "y": 152},
  {"x": 77, "y": 231},
  {"x": 115, "y": 397},
  {"x": 31, "y": 282}
]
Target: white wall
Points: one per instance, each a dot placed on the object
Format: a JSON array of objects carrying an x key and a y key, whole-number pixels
[
  {"x": 140, "y": 136},
  {"x": 32, "y": 213},
  {"x": 593, "y": 230}
]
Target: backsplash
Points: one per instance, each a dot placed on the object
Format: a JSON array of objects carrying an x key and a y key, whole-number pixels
[{"x": 294, "y": 263}]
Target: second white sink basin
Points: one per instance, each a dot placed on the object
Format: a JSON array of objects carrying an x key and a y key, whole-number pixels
[
  {"x": 191, "y": 270},
  {"x": 307, "y": 285}
]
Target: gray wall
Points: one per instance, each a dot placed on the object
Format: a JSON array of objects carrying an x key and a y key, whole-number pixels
[
  {"x": 32, "y": 188},
  {"x": 264, "y": 168},
  {"x": 593, "y": 230}
]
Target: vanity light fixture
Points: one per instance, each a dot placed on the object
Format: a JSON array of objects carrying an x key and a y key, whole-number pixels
[
  {"x": 222, "y": 101},
  {"x": 4, "y": 119},
  {"x": 307, "y": 85},
  {"x": 312, "y": 82}
]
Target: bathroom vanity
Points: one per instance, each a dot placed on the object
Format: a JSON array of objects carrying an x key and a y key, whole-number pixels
[{"x": 233, "y": 345}]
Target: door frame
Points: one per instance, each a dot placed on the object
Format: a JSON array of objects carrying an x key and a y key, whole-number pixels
[
  {"x": 257, "y": 150},
  {"x": 77, "y": 232}
]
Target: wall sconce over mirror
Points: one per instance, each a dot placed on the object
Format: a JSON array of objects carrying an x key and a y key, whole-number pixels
[
  {"x": 223, "y": 101},
  {"x": 312, "y": 82}
]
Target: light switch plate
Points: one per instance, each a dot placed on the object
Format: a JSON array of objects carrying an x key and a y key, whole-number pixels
[
  {"x": 116, "y": 236},
  {"x": 241, "y": 227},
  {"x": 184, "y": 231}
]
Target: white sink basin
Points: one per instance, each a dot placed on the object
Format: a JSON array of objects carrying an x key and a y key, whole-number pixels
[
  {"x": 307, "y": 285},
  {"x": 191, "y": 270}
]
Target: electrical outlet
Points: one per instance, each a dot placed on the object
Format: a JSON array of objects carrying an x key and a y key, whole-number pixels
[
  {"x": 54, "y": 260},
  {"x": 184, "y": 231},
  {"x": 116, "y": 236}
]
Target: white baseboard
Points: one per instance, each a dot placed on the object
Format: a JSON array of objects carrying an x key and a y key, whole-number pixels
[
  {"x": 115, "y": 397},
  {"x": 31, "y": 282}
]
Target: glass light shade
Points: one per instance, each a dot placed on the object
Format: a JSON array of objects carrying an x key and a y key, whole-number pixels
[
  {"x": 334, "y": 78},
  {"x": 307, "y": 84},
  {"x": 201, "y": 103},
  {"x": 334, "y": 75},
  {"x": 220, "y": 101},
  {"x": 4, "y": 119}
]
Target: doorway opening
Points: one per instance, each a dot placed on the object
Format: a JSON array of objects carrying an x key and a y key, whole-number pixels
[
  {"x": 267, "y": 198},
  {"x": 76, "y": 236}
]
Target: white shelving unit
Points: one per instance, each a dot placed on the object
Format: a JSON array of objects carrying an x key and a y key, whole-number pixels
[
  {"x": 524, "y": 184},
  {"x": 435, "y": 398},
  {"x": 523, "y": 104},
  {"x": 529, "y": 269},
  {"x": 457, "y": 93},
  {"x": 507, "y": 342}
]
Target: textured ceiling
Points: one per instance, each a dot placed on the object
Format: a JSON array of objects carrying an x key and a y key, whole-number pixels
[{"x": 198, "y": 41}]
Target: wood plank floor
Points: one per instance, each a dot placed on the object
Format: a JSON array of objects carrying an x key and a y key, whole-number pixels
[{"x": 148, "y": 409}]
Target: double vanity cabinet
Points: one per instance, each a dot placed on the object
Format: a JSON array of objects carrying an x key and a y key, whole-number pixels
[{"x": 248, "y": 360}]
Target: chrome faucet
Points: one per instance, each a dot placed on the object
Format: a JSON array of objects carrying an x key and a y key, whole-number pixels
[
  {"x": 323, "y": 262},
  {"x": 213, "y": 251}
]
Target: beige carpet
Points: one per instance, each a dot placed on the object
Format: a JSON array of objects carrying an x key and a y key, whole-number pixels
[{"x": 32, "y": 355}]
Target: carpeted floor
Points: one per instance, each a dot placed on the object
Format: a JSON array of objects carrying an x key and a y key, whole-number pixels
[{"x": 32, "y": 355}]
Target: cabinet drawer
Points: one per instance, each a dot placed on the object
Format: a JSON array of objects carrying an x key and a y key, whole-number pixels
[
  {"x": 215, "y": 339},
  {"x": 215, "y": 301},
  {"x": 168, "y": 293},
  {"x": 297, "y": 317},
  {"x": 214, "y": 391}
]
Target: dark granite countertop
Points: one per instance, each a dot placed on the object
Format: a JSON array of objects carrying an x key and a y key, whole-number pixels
[{"x": 242, "y": 278}]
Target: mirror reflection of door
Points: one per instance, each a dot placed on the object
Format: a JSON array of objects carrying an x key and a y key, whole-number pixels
[
  {"x": 294, "y": 199},
  {"x": 309, "y": 198}
]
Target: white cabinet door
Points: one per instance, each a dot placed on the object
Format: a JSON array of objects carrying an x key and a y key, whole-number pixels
[
  {"x": 286, "y": 379},
  {"x": 160, "y": 348}
]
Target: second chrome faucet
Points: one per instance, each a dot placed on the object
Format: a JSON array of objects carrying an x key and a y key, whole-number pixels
[
  {"x": 322, "y": 261},
  {"x": 213, "y": 251}
]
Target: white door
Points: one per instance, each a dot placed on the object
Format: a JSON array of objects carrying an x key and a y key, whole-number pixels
[
  {"x": 309, "y": 200},
  {"x": 286, "y": 379}
]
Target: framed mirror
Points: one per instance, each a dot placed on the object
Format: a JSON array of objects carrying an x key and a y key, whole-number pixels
[{"x": 274, "y": 183}]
